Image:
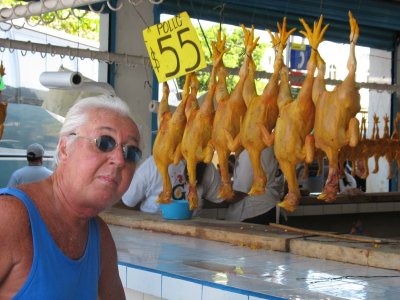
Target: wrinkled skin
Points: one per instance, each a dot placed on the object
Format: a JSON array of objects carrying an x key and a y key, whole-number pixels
[
  {"x": 169, "y": 136},
  {"x": 335, "y": 123},
  {"x": 293, "y": 143},
  {"x": 229, "y": 112},
  {"x": 196, "y": 142}
]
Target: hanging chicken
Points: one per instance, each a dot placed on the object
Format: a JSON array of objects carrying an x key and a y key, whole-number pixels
[
  {"x": 379, "y": 144},
  {"x": 229, "y": 112},
  {"x": 364, "y": 149},
  {"x": 393, "y": 144},
  {"x": 196, "y": 142},
  {"x": 169, "y": 136},
  {"x": 262, "y": 110},
  {"x": 335, "y": 123},
  {"x": 293, "y": 142}
]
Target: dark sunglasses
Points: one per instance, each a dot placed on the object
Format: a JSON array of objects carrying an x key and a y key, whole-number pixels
[{"x": 106, "y": 143}]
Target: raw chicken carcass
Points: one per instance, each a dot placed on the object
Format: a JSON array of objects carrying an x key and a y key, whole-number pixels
[
  {"x": 379, "y": 143},
  {"x": 196, "y": 142},
  {"x": 393, "y": 144},
  {"x": 335, "y": 123},
  {"x": 262, "y": 110},
  {"x": 365, "y": 149},
  {"x": 293, "y": 142},
  {"x": 169, "y": 136},
  {"x": 229, "y": 112}
]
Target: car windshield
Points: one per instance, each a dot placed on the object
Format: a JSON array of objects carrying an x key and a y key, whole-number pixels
[{"x": 26, "y": 124}]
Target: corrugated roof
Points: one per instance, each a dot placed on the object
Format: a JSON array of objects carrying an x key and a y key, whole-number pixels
[{"x": 379, "y": 20}]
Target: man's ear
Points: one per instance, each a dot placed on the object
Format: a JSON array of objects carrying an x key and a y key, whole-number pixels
[{"x": 62, "y": 153}]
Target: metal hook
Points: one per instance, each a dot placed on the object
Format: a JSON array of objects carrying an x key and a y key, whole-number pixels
[
  {"x": 23, "y": 6},
  {"x": 47, "y": 22},
  {"x": 76, "y": 16},
  {"x": 114, "y": 8},
  {"x": 17, "y": 26},
  {"x": 49, "y": 8},
  {"x": 6, "y": 9},
  {"x": 27, "y": 20},
  {"x": 97, "y": 11},
  {"x": 8, "y": 29},
  {"x": 61, "y": 18}
]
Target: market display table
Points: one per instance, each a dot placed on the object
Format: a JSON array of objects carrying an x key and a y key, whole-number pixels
[{"x": 365, "y": 251}]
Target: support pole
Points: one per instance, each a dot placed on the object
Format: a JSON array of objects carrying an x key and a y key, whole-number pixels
[{"x": 41, "y": 7}]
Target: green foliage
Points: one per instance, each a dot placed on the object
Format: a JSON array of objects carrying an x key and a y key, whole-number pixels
[
  {"x": 232, "y": 59},
  {"x": 81, "y": 23}
]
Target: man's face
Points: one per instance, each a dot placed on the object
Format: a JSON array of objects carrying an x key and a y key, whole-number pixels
[{"x": 98, "y": 179}]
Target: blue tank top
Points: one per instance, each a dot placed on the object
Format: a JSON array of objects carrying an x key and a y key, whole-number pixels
[{"x": 54, "y": 275}]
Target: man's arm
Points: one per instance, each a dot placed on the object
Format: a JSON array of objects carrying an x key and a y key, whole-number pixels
[
  {"x": 16, "y": 252},
  {"x": 110, "y": 285}
]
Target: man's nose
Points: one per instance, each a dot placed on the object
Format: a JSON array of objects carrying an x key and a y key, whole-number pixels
[{"x": 117, "y": 156}]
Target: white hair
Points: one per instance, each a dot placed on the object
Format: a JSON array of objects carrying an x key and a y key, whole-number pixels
[{"x": 78, "y": 114}]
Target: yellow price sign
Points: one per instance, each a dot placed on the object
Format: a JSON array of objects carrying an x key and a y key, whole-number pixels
[{"x": 174, "y": 48}]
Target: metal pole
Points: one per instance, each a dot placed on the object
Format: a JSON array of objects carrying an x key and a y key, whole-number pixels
[
  {"x": 123, "y": 59},
  {"x": 40, "y": 7}
]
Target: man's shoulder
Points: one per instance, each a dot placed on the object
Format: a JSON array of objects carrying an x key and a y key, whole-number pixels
[{"x": 13, "y": 213}]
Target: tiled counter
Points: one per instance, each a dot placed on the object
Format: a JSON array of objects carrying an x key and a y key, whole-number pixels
[{"x": 165, "y": 266}]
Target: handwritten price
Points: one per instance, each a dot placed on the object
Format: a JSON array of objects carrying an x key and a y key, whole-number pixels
[{"x": 174, "y": 48}]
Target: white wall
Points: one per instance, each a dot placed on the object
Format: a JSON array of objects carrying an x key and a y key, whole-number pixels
[{"x": 130, "y": 81}]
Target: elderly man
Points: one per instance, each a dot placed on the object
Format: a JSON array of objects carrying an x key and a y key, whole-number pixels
[
  {"x": 34, "y": 171},
  {"x": 53, "y": 245}
]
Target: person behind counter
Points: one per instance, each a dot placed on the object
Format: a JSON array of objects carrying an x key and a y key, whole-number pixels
[
  {"x": 260, "y": 209},
  {"x": 53, "y": 245},
  {"x": 34, "y": 171},
  {"x": 146, "y": 185}
]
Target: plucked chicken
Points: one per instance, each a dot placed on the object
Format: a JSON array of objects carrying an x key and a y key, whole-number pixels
[
  {"x": 379, "y": 144},
  {"x": 229, "y": 112},
  {"x": 262, "y": 110},
  {"x": 365, "y": 148},
  {"x": 393, "y": 146},
  {"x": 196, "y": 142},
  {"x": 293, "y": 142},
  {"x": 335, "y": 123},
  {"x": 169, "y": 136}
]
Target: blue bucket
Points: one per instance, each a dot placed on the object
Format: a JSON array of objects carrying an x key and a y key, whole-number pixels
[{"x": 176, "y": 210}]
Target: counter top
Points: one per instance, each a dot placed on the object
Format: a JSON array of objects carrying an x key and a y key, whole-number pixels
[{"x": 384, "y": 255}]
